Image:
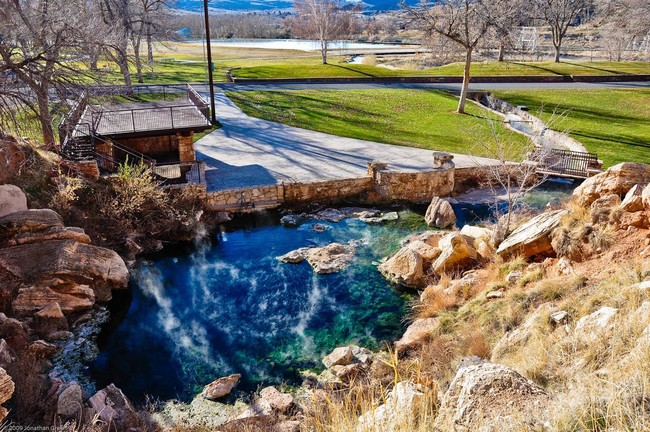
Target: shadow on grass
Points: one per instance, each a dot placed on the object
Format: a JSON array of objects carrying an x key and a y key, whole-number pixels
[
  {"x": 597, "y": 68},
  {"x": 554, "y": 72},
  {"x": 352, "y": 70}
]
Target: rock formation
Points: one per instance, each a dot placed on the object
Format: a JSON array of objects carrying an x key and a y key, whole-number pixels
[
  {"x": 220, "y": 387},
  {"x": 440, "y": 214},
  {"x": 618, "y": 180},
  {"x": 490, "y": 397},
  {"x": 533, "y": 237}
]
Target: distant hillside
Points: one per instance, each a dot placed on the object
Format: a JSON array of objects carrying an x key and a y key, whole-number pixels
[{"x": 269, "y": 5}]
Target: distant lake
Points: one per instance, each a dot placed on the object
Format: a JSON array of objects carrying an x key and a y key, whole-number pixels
[{"x": 297, "y": 44}]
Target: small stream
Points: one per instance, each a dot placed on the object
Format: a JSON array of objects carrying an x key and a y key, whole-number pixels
[{"x": 229, "y": 306}]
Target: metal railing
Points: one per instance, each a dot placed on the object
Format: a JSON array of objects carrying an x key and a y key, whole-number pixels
[
  {"x": 180, "y": 173},
  {"x": 135, "y": 120}
]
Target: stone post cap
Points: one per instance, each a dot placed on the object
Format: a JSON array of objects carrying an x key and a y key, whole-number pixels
[{"x": 440, "y": 158}]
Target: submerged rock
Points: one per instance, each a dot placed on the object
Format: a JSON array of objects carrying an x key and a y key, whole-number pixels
[
  {"x": 391, "y": 216},
  {"x": 220, "y": 387}
]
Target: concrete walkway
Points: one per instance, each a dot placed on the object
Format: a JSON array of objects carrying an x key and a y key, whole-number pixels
[{"x": 248, "y": 151}]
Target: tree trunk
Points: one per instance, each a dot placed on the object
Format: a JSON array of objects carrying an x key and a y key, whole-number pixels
[
  {"x": 557, "y": 53},
  {"x": 123, "y": 63},
  {"x": 323, "y": 50},
  {"x": 138, "y": 60},
  {"x": 149, "y": 44},
  {"x": 463, "y": 91},
  {"x": 45, "y": 118},
  {"x": 502, "y": 50}
]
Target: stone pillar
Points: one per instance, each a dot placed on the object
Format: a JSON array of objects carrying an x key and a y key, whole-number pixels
[
  {"x": 440, "y": 159},
  {"x": 186, "y": 146}
]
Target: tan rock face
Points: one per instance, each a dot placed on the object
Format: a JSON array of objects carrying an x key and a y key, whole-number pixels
[
  {"x": 633, "y": 201},
  {"x": 12, "y": 199},
  {"x": 533, "y": 237},
  {"x": 457, "y": 254},
  {"x": 7, "y": 388},
  {"x": 100, "y": 268},
  {"x": 69, "y": 296},
  {"x": 645, "y": 196},
  {"x": 396, "y": 413},
  {"x": 66, "y": 233},
  {"x": 28, "y": 221},
  {"x": 440, "y": 214},
  {"x": 490, "y": 397},
  {"x": 417, "y": 333},
  {"x": 280, "y": 402},
  {"x": 602, "y": 208},
  {"x": 50, "y": 319},
  {"x": 618, "y": 180},
  {"x": 221, "y": 387},
  {"x": 428, "y": 253},
  {"x": 404, "y": 268}
]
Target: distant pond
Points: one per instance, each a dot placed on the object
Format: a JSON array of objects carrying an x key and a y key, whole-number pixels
[
  {"x": 296, "y": 44},
  {"x": 229, "y": 306}
]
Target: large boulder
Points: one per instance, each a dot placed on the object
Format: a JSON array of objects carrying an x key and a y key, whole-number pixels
[
  {"x": 404, "y": 268},
  {"x": 331, "y": 258},
  {"x": 602, "y": 208},
  {"x": 115, "y": 409},
  {"x": 220, "y": 387},
  {"x": 618, "y": 180},
  {"x": 57, "y": 233},
  {"x": 417, "y": 333},
  {"x": 12, "y": 199},
  {"x": 490, "y": 397},
  {"x": 533, "y": 237},
  {"x": 428, "y": 253},
  {"x": 440, "y": 214},
  {"x": 100, "y": 268},
  {"x": 456, "y": 254},
  {"x": 7, "y": 388},
  {"x": 397, "y": 413},
  {"x": 50, "y": 319},
  {"x": 596, "y": 325}
]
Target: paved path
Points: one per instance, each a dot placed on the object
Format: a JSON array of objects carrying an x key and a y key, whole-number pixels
[
  {"x": 248, "y": 151},
  {"x": 437, "y": 86}
]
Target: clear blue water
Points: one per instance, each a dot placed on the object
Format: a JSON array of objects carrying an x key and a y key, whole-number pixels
[
  {"x": 195, "y": 314},
  {"x": 232, "y": 307}
]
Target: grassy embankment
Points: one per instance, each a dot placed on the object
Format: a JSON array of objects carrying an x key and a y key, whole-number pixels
[
  {"x": 413, "y": 118},
  {"x": 184, "y": 62},
  {"x": 615, "y": 124}
]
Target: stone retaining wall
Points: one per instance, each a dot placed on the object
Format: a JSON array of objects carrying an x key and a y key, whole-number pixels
[
  {"x": 245, "y": 198},
  {"x": 381, "y": 185},
  {"x": 329, "y": 192}
]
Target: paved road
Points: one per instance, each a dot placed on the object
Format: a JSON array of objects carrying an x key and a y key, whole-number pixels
[
  {"x": 437, "y": 86},
  {"x": 248, "y": 151}
]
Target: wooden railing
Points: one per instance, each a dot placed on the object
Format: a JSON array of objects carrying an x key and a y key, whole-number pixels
[{"x": 566, "y": 163}]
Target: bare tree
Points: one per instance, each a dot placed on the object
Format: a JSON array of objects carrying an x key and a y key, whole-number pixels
[
  {"x": 508, "y": 16},
  {"x": 39, "y": 45},
  {"x": 116, "y": 17},
  {"x": 559, "y": 15},
  {"x": 323, "y": 20},
  {"x": 465, "y": 22},
  {"x": 147, "y": 19}
]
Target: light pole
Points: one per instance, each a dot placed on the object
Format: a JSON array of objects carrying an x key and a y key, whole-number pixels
[{"x": 213, "y": 117}]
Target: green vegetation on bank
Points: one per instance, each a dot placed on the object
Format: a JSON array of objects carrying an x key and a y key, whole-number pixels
[
  {"x": 414, "y": 118},
  {"x": 615, "y": 124}
]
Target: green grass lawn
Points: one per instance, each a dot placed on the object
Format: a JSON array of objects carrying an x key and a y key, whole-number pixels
[
  {"x": 336, "y": 68},
  {"x": 414, "y": 118},
  {"x": 615, "y": 124}
]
